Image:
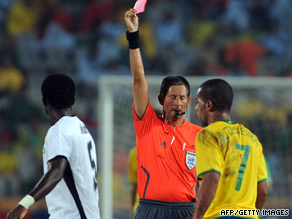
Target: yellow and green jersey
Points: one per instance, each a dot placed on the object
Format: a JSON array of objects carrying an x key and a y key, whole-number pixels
[
  {"x": 234, "y": 152},
  {"x": 132, "y": 174}
]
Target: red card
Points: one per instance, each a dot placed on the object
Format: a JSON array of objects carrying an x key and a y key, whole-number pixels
[{"x": 140, "y": 6}]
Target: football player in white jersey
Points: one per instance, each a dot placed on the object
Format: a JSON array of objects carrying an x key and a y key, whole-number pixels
[{"x": 69, "y": 182}]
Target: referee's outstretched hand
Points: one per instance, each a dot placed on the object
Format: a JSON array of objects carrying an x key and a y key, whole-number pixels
[
  {"x": 17, "y": 213},
  {"x": 131, "y": 20}
]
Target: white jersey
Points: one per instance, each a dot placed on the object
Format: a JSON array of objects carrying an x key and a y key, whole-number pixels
[{"x": 76, "y": 195}]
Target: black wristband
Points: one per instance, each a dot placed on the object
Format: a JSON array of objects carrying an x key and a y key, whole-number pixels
[{"x": 133, "y": 39}]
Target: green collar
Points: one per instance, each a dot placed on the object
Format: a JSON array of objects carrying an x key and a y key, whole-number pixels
[{"x": 227, "y": 121}]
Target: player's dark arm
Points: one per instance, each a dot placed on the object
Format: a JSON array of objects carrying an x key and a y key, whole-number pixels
[
  {"x": 206, "y": 194},
  {"x": 133, "y": 194},
  {"x": 140, "y": 86},
  {"x": 262, "y": 193},
  {"x": 56, "y": 168}
]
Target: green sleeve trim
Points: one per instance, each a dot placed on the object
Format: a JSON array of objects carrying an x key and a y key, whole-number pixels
[
  {"x": 262, "y": 180},
  {"x": 209, "y": 171}
]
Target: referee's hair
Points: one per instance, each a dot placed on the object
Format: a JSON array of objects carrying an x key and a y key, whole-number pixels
[
  {"x": 173, "y": 80},
  {"x": 58, "y": 90},
  {"x": 219, "y": 92}
]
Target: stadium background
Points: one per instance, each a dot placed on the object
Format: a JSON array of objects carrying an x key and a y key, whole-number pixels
[{"x": 246, "y": 39}]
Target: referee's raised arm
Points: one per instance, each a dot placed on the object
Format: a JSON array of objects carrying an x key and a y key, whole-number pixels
[{"x": 140, "y": 86}]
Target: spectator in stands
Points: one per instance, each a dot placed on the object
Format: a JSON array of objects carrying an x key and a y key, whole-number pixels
[
  {"x": 11, "y": 78},
  {"x": 89, "y": 62},
  {"x": 64, "y": 18},
  {"x": 169, "y": 38},
  {"x": 22, "y": 17},
  {"x": 246, "y": 52},
  {"x": 200, "y": 30},
  {"x": 112, "y": 27},
  {"x": 58, "y": 33},
  {"x": 56, "y": 37},
  {"x": 156, "y": 10},
  {"x": 253, "y": 101},
  {"x": 8, "y": 174},
  {"x": 18, "y": 111},
  {"x": 4, "y": 6},
  {"x": 51, "y": 10},
  {"x": 198, "y": 67},
  {"x": 281, "y": 12},
  {"x": 8, "y": 48},
  {"x": 236, "y": 15},
  {"x": 207, "y": 60},
  {"x": 277, "y": 44},
  {"x": 147, "y": 38},
  {"x": 261, "y": 7},
  {"x": 100, "y": 57},
  {"x": 169, "y": 32},
  {"x": 95, "y": 13},
  {"x": 274, "y": 40},
  {"x": 29, "y": 151}
]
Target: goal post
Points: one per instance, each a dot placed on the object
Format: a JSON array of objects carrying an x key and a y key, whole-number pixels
[
  {"x": 105, "y": 118},
  {"x": 263, "y": 104}
]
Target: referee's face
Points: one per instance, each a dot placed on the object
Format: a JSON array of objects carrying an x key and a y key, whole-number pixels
[{"x": 176, "y": 101}]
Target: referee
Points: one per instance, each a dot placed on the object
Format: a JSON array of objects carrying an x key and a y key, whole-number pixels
[{"x": 166, "y": 152}]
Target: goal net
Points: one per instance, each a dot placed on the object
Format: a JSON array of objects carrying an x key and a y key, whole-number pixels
[{"x": 264, "y": 105}]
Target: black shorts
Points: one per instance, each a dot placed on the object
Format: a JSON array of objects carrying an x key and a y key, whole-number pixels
[{"x": 152, "y": 209}]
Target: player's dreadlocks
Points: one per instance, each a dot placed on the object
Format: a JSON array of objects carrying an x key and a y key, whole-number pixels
[{"x": 58, "y": 90}]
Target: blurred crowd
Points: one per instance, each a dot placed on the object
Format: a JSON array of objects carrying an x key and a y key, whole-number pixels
[{"x": 86, "y": 39}]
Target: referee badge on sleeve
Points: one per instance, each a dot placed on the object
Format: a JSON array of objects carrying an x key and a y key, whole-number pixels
[{"x": 191, "y": 159}]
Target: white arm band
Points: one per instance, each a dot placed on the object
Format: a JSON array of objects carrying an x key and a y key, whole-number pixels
[{"x": 27, "y": 201}]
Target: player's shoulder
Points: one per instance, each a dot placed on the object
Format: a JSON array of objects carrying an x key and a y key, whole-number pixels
[
  {"x": 69, "y": 120},
  {"x": 221, "y": 125},
  {"x": 207, "y": 132},
  {"x": 230, "y": 128},
  {"x": 67, "y": 124},
  {"x": 245, "y": 130},
  {"x": 133, "y": 152},
  {"x": 213, "y": 130}
]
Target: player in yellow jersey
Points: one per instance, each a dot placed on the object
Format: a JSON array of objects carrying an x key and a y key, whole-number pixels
[
  {"x": 230, "y": 162},
  {"x": 132, "y": 175}
]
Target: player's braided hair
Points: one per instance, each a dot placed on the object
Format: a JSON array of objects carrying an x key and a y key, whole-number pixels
[
  {"x": 58, "y": 90},
  {"x": 173, "y": 80},
  {"x": 219, "y": 92}
]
